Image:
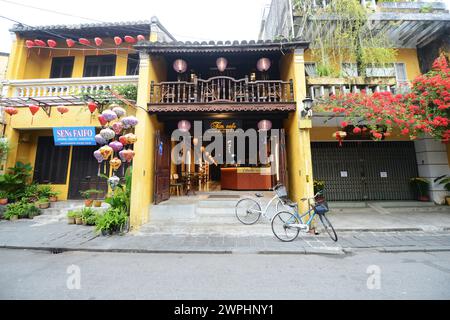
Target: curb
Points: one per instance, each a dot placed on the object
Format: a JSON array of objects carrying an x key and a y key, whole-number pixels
[{"x": 414, "y": 249}]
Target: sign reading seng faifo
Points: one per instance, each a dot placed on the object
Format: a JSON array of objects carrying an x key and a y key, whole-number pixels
[{"x": 74, "y": 136}]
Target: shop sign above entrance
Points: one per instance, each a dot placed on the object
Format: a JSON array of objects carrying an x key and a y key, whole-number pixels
[{"x": 74, "y": 136}]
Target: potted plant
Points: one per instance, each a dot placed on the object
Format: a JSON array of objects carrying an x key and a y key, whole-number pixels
[
  {"x": 3, "y": 198},
  {"x": 421, "y": 187},
  {"x": 32, "y": 211},
  {"x": 71, "y": 217},
  {"x": 88, "y": 195},
  {"x": 444, "y": 180},
  {"x": 43, "y": 203},
  {"x": 88, "y": 216},
  {"x": 14, "y": 211},
  {"x": 78, "y": 218},
  {"x": 98, "y": 202},
  {"x": 53, "y": 196}
]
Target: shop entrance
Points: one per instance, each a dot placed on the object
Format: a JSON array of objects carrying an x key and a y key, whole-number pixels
[{"x": 84, "y": 172}]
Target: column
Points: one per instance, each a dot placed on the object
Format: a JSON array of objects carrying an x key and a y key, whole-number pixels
[{"x": 432, "y": 162}]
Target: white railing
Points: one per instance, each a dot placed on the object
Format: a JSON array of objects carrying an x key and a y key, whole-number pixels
[
  {"x": 64, "y": 86},
  {"x": 320, "y": 91}
]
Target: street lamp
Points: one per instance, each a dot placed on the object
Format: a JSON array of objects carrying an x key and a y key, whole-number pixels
[{"x": 307, "y": 105}]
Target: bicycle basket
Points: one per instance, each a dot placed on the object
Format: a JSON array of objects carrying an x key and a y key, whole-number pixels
[
  {"x": 281, "y": 192},
  {"x": 321, "y": 208}
]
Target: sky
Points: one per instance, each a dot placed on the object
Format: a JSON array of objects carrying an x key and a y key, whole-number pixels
[{"x": 184, "y": 19}]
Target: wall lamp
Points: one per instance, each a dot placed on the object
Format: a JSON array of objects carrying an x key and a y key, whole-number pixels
[{"x": 307, "y": 106}]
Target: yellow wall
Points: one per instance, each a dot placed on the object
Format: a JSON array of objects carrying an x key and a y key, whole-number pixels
[
  {"x": 3, "y": 66},
  {"x": 36, "y": 63},
  {"x": 407, "y": 56}
]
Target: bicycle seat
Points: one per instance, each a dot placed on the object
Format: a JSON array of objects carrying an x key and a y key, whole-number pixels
[{"x": 259, "y": 195}]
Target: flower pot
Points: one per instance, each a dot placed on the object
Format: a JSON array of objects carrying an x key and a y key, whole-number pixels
[
  {"x": 53, "y": 199},
  {"x": 88, "y": 202},
  {"x": 97, "y": 203},
  {"x": 84, "y": 222},
  {"x": 79, "y": 221},
  {"x": 3, "y": 201},
  {"x": 447, "y": 200},
  {"x": 44, "y": 205},
  {"x": 71, "y": 220},
  {"x": 14, "y": 218}
]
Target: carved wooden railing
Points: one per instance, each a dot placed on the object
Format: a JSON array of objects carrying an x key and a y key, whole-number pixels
[{"x": 221, "y": 89}]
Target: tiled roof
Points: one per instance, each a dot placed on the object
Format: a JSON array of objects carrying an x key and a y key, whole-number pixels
[{"x": 223, "y": 46}]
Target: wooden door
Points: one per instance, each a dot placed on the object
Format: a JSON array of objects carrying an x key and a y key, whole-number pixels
[
  {"x": 162, "y": 167},
  {"x": 283, "y": 177},
  {"x": 84, "y": 172}
]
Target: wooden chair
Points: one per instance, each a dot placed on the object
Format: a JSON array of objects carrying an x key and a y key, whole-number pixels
[{"x": 175, "y": 184}]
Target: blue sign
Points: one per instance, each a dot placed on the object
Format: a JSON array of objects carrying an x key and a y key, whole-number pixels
[{"x": 74, "y": 136}]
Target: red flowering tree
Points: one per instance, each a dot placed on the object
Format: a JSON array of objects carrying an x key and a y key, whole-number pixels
[{"x": 425, "y": 109}]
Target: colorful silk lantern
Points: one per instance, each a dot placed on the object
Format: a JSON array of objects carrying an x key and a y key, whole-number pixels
[
  {"x": 116, "y": 146},
  {"x": 263, "y": 64},
  {"x": 128, "y": 155},
  {"x": 184, "y": 125},
  {"x": 264, "y": 125},
  {"x": 123, "y": 140},
  {"x": 102, "y": 120},
  {"x": 119, "y": 111},
  {"x": 115, "y": 163},
  {"x": 106, "y": 152},
  {"x": 129, "y": 122},
  {"x": 179, "y": 65},
  {"x": 109, "y": 115},
  {"x": 140, "y": 37},
  {"x": 131, "y": 138},
  {"x": 33, "y": 109},
  {"x": 62, "y": 109},
  {"x": 122, "y": 155},
  {"x": 221, "y": 64},
  {"x": 107, "y": 134},
  {"x": 100, "y": 140},
  {"x": 99, "y": 157},
  {"x": 117, "y": 127},
  {"x": 339, "y": 136},
  {"x": 113, "y": 182}
]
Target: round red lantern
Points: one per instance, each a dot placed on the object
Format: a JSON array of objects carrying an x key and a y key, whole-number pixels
[
  {"x": 33, "y": 109},
  {"x": 84, "y": 41},
  {"x": 263, "y": 64},
  {"x": 264, "y": 125},
  {"x": 221, "y": 64},
  {"x": 11, "y": 111},
  {"x": 40, "y": 43},
  {"x": 70, "y": 43},
  {"x": 129, "y": 39},
  {"x": 140, "y": 37},
  {"x": 62, "y": 109},
  {"x": 98, "y": 41},
  {"x": 118, "y": 41},
  {"x": 92, "y": 106},
  {"x": 51, "y": 43},
  {"x": 102, "y": 120},
  {"x": 29, "y": 44},
  {"x": 184, "y": 125},
  {"x": 179, "y": 65}
]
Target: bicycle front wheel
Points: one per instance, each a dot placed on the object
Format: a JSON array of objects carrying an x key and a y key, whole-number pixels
[
  {"x": 248, "y": 211},
  {"x": 282, "y": 226},
  {"x": 328, "y": 227}
]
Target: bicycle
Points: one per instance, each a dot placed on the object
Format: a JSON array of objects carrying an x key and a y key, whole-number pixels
[
  {"x": 286, "y": 225},
  {"x": 248, "y": 210}
]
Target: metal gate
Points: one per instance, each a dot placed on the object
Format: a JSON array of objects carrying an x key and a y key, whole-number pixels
[{"x": 365, "y": 170}]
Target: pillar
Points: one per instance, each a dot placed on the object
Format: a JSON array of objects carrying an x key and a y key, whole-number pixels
[{"x": 299, "y": 145}]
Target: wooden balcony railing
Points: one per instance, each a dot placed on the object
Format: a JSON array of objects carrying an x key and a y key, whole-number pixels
[{"x": 221, "y": 89}]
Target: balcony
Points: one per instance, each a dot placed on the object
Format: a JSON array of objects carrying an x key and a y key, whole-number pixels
[{"x": 222, "y": 93}]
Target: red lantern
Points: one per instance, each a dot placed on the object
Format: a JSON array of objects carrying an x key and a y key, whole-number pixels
[
  {"x": 179, "y": 65},
  {"x": 92, "y": 106},
  {"x": 98, "y": 42},
  {"x": 264, "y": 125},
  {"x": 40, "y": 43},
  {"x": 70, "y": 43},
  {"x": 11, "y": 111},
  {"x": 118, "y": 41},
  {"x": 221, "y": 64},
  {"x": 339, "y": 136},
  {"x": 62, "y": 109},
  {"x": 263, "y": 64},
  {"x": 140, "y": 37},
  {"x": 84, "y": 41},
  {"x": 33, "y": 109},
  {"x": 51, "y": 43},
  {"x": 102, "y": 120},
  {"x": 129, "y": 39},
  {"x": 29, "y": 44}
]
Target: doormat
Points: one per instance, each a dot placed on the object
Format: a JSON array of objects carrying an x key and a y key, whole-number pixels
[{"x": 224, "y": 196}]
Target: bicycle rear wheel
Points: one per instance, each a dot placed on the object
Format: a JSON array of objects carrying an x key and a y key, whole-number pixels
[
  {"x": 281, "y": 226},
  {"x": 328, "y": 227},
  {"x": 248, "y": 211}
]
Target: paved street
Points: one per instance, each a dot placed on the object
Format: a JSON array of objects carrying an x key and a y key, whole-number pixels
[{"x": 42, "y": 275}]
